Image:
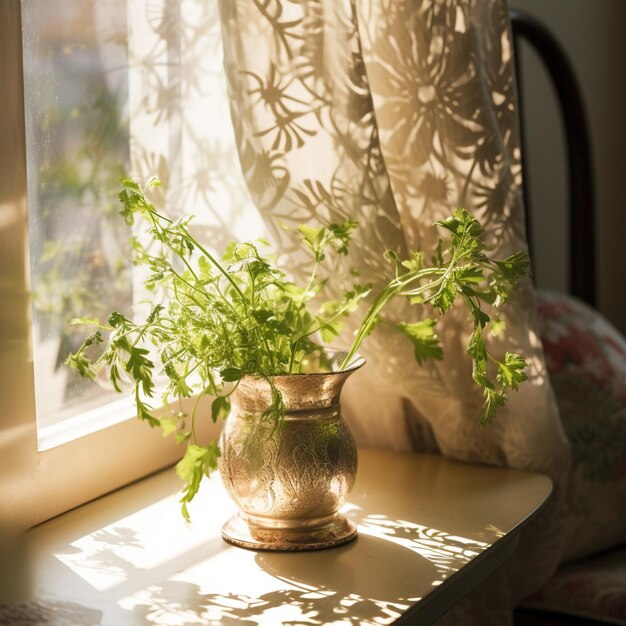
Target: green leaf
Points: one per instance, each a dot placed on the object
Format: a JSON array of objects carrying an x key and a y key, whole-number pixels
[
  {"x": 339, "y": 235},
  {"x": 130, "y": 184},
  {"x": 466, "y": 235},
  {"x": 480, "y": 317},
  {"x": 79, "y": 362},
  {"x": 263, "y": 315},
  {"x": 169, "y": 424},
  {"x": 462, "y": 224},
  {"x": 220, "y": 408},
  {"x": 229, "y": 253},
  {"x": 193, "y": 458},
  {"x": 415, "y": 263},
  {"x": 197, "y": 462},
  {"x": 478, "y": 352},
  {"x": 143, "y": 410},
  {"x": 117, "y": 319},
  {"x": 507, "y": 274},
  {"x": 232, "y": 374},
  {"x": 312, "y": 236},
  {"x": 330, "y": 330},
  {"x": 269, "y": 320},
  {"x": 178, "y": 382},
  {"x": 511, "y": 373},
  {"x": 205, "y": 267},
  {"x": 298, "y": 294},
  {"x": 115, "y": 376},
  {"x": 424, "y": 339},
  {"x": 154, "y": 314},
  {"x": 140, "y": 368},
  {"x": 479, "y": 374},
  {"x": 476, "y": 345},
  {"x": 93, "y": 339},
  {"x": 493, "y": 400},
  {"x": 335, "y": 235},
  {"x": 515, "y": 266},
  {"x": 180, "y": 388},
  {"x": 469, "y": 275},
  {"x": 444, "y": 298},
  {"x": 182, "y": 437},
  {"x": 128, "y": 207}
]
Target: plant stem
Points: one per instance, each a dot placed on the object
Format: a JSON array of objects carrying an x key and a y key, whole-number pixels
[
  {"x": 383, "y": 298},
  {"x": 191, "y": 239}
]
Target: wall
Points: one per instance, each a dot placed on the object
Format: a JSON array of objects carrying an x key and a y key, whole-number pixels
[{"x": 591, "y": 31}]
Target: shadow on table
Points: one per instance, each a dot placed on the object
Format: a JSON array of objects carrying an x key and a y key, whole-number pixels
[
  {"x": 308, "y": 595},
  {"x": 370, "y": 581},
  {"x": 400, "y": 554}
]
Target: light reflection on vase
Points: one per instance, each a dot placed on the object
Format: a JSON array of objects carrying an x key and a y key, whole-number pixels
[{"x": 289, "y": 479}]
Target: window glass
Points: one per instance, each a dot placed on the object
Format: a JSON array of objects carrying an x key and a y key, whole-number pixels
[
  {"x": 112, "y": 88},
  {"x": 77, "y": 136}
]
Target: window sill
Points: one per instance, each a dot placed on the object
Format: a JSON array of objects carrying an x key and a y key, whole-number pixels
[
  {"x": 64, "y": 430},
  {"x": 429, "y": 531}
]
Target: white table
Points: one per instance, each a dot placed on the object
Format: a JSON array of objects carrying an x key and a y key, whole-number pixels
[{"x": 429, "y": 531}]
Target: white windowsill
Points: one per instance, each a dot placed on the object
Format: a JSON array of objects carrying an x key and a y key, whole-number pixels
[
  {"x": 429, "y": 531},
  {"x": 86, "y": 423}
]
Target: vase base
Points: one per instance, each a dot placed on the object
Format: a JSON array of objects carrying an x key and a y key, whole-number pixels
[{"x": 334, "y": 532}]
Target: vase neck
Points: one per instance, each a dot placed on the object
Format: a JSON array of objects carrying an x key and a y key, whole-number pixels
[{"x": 300, "y": 392}]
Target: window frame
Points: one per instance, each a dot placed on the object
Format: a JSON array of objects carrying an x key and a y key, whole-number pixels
[{"x": 37, "y": 485}]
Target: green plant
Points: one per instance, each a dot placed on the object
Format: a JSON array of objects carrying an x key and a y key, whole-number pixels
[{"x": 241, "y": 315}]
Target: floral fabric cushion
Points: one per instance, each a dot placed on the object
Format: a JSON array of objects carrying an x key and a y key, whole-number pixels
[
  {"x": 594, "y": 588},
  {"x": 586, "y": 359}
]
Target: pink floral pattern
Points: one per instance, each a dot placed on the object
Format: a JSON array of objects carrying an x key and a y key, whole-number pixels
[
  {"x": 576, "y": 339},
  {"x": 586, "y": 360}
]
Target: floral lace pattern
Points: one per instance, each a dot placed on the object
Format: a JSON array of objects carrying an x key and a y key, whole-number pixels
[{"x": 393, "y": 113}]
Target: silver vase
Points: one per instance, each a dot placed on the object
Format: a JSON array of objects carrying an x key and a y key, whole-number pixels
[{"x": 289, "y": 478}]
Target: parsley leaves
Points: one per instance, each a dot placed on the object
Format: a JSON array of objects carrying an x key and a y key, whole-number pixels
[{"x": 223, "y": 319}]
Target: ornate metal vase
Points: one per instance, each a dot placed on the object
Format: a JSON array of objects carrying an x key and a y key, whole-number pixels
[{"x": 290, "y": 478}]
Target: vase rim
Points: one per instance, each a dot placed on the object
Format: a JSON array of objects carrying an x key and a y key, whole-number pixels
[{"x": 356, "y": 363}]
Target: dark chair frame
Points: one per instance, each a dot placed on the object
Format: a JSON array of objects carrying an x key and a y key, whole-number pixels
[{"x": 581, "y": 277}]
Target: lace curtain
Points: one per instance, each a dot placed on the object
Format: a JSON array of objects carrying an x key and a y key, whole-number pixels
[
  {"x": 394, "y": 112},
  {"x": 389, "y": 112}
]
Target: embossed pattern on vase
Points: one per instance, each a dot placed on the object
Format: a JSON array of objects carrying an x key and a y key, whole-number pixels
[
  {"x": 296, "y": 473},
  {"x": 304, "y": 467}
]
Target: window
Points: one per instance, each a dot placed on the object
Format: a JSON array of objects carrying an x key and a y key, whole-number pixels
[
  {"x": 77, "y": 146},
  {"x": 93, "y": 89}
]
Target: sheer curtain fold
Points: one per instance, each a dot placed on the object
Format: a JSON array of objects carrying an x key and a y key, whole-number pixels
[{"x": 394, "y": 113}]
